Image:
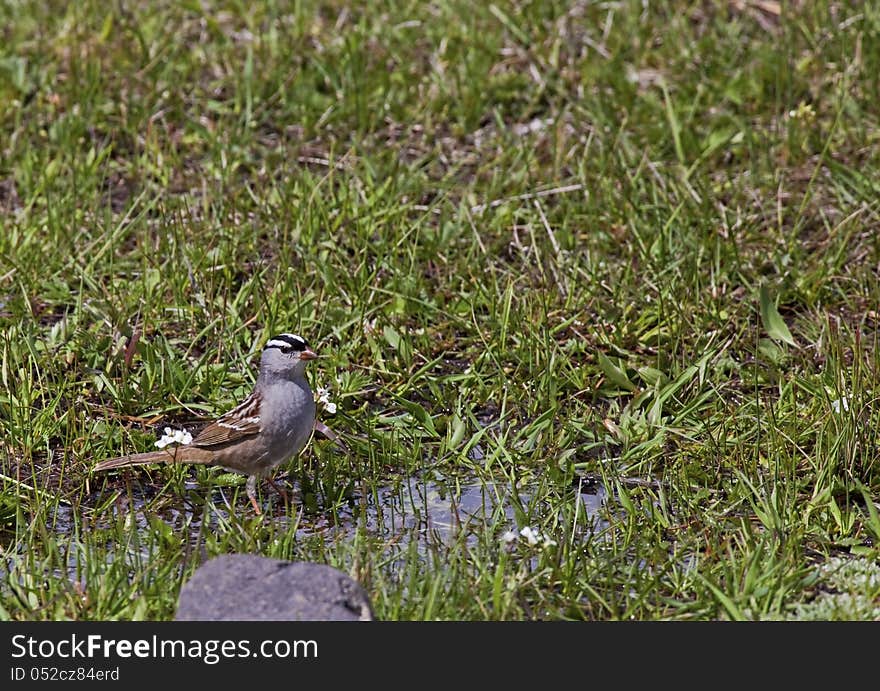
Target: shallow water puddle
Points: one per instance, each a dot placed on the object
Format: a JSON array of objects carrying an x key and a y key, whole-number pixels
[
  {"x": 437, "y": 513},
  {"x": 428, "y": 511}
]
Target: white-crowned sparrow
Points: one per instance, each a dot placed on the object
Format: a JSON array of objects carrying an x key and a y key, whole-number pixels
[{"x": 267, "y": 428}]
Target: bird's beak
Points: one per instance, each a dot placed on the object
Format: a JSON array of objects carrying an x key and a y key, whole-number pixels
[{"x": 308, "y": 354}]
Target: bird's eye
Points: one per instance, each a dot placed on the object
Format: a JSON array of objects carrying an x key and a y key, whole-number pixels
[{"x": 287, "y": 350}]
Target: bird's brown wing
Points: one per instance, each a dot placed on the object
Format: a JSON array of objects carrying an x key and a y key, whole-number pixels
[{"x": 240, "y": 422}]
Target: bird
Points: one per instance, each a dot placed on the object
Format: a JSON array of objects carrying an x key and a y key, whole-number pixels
[{"x": 268, "y": 428}]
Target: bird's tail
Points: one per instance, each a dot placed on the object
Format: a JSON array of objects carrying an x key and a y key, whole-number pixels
[{"x": 178, "y": 454}]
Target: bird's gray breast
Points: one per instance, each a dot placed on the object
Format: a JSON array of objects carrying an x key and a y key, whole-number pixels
[{"x": 294, "y": 418}]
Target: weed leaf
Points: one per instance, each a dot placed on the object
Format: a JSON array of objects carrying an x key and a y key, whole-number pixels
[
  {"x": 773, "y": 322},
  {"x": 615, "y": 374}
]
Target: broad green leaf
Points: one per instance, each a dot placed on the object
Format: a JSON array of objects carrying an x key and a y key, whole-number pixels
[
  {"x": 458, "y": 431},
  {"x": 419, "y": 413},
  {"x": 391, "y": 337},
  {"x": 615, "y": 374},
  {"x": 873, "y": 519},
  {"x": 772, "y": 352},
  {"x": 652, "y": 376},
  {"x": 773, "y": 322}
]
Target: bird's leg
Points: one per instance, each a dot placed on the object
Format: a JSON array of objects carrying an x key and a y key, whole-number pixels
[
  {"x": 280, "y": 491},
  {"x": 252, "y": 493}
]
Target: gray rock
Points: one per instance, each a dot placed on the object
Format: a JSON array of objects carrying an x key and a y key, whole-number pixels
[{"x": 247, "y": 587}]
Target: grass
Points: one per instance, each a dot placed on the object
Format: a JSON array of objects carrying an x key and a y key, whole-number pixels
[{"x": 611, "y": 267}]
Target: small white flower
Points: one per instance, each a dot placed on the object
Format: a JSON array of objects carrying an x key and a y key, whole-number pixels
[
  {"x": 323, "y": 397},
  {"x": 840, "y": 404},
  {"x": 178, "y": 436},
  {"x": 532, "y": 536},
  {"x": 369, "y": 326},
  {"x": 804, "y": 112},
  {"x": 508, "y": 537}
]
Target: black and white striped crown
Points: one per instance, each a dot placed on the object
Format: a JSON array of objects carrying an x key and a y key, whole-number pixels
[{"x": 287, "y": 342}]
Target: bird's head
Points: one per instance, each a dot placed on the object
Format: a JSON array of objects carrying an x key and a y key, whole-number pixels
[{"x": 286, "y": 355}]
